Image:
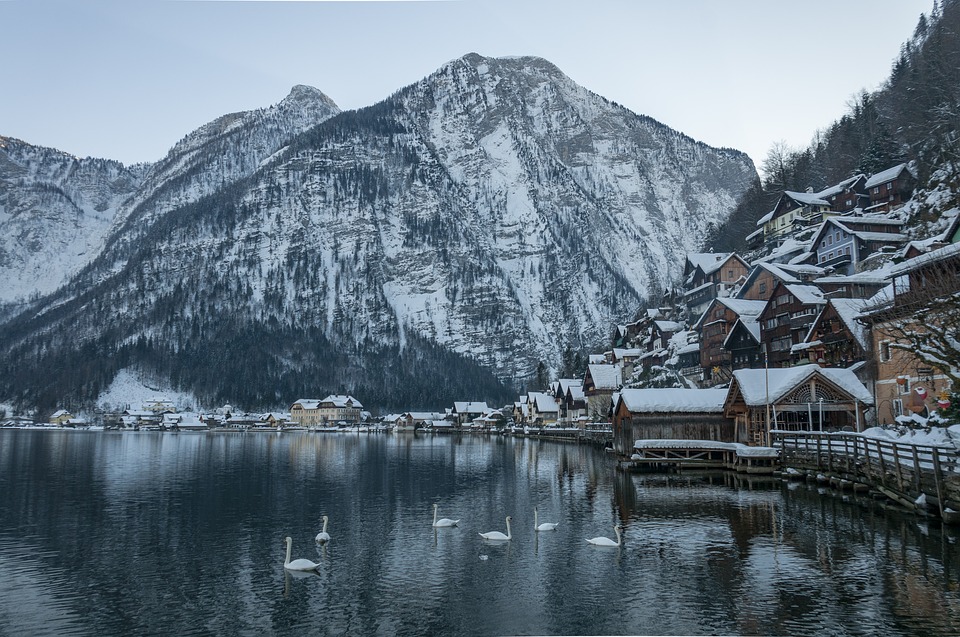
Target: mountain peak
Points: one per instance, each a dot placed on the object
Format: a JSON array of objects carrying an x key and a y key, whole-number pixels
[{"x": 303, "y": 94}]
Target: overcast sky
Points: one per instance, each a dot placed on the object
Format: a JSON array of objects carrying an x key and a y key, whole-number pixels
[{"x": 126, "y": 79}]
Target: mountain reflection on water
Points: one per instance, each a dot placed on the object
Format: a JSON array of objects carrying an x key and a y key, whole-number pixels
[{"x": 151, "y": 533}]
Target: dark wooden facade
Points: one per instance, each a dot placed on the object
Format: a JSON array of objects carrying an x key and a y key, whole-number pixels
[{"x": 785, "y": 322}]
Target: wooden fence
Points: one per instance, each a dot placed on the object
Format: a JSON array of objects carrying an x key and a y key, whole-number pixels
[{"x": 916, "y": 476}]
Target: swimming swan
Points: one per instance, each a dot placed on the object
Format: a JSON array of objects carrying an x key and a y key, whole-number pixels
[
  {"x": 605, "y": 541},
  {"x": 323, "y": 537},
  {"x": 546, "y": 526},
  {"x": 442, "y": 521},
  {"x": 497, "y": 535},
  {"x": 297, "y": 565}
]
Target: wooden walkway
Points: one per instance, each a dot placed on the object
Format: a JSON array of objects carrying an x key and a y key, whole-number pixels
[{"x": 919, "y": 477}]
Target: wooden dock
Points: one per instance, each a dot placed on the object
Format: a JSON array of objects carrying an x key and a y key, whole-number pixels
[
  {"x": 676, "y": 455},
  {"x": 919, "y": 477}
]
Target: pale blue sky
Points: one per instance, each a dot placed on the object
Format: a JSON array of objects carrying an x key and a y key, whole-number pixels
[{"x": 127, "y": 79}]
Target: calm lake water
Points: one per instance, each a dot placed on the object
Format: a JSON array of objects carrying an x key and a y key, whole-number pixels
[{"x": 150, "y": 533}]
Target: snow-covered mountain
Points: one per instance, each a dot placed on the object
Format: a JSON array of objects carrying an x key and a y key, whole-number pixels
[
  {"x": 470, "y": 226},
  {"x": 57, "y": 210}
]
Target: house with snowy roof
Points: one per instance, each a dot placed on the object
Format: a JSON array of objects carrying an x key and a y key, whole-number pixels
[
  {"x": 465, "y": 411},
  {"x": 675, "y": 414},
  {"x": 61, "y": 417},
  {"x": 762, "y": 279},
  {"x": 861, "y": 285},
  {"x": 542, "y": 409},
  {"x": 891, "y": 188},
  {"x": 709, "y": 275},
  {"x": 796, "y": 210},
  {"x": 573, "y": 407},
  {"x": 836, "y": 338},
  {"x": 804, "y": 398},
  {"x": 713, "y": 328},
  {"x": 599, "y": 384},
  {"x": 334, "y": 408},
  {"x": 842, "y": 243},
  {"x": 743, "y": 344},
  {"x": 786, "y": 319}
]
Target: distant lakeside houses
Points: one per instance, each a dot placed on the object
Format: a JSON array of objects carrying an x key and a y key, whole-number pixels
[{"x": 804, "y": 317}]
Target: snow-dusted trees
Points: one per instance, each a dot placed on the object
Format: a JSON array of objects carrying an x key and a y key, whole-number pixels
[{"x": 924, "y": 317}]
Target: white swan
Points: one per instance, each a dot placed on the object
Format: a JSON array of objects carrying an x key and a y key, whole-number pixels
[
  {"x": 323, "y": 537},
  {"x": 546, "y": 526},
  {"x": 497, "y": 535},
  {"x": 297, "y": 565},
  {"x": 442, "y": 521},
  {"x": 605, "y": 541}
]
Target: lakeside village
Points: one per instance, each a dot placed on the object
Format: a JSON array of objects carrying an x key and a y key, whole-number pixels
[{"x": 815, "y": 335}]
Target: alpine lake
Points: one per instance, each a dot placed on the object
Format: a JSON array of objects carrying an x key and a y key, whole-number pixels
[{"x": 110, "y": 533}]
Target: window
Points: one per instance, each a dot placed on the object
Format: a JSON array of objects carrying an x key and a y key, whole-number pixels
[
  {"x": 889, "y": 185},
  {"x": 876, "y": 190},
  {"x": 763, "y": 288},
  {"x": 897, "y": 407},
  {"x": 830, "y": 240},
  {"x": 848, "y": 249},
  {"x": 729, "y": 274},
  {"x": 823, "y": 258},
  {"x": 830, "y": 256},
  {"x": 904, "y": 386},
  {"x": 849, "y": 202},
  {"x": 770, "y": 323},
  {"x": 783, "y": 299},
  {"x": 837, "y": 236},
  {"x": 884, "y": 351}
]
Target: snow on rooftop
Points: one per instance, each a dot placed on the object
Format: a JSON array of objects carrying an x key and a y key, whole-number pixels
[
  {"x": 605, "y": 376},
  {"x": 741, "y": 449},
  {"x": 848, "y": 310},
  {"x": 757, "y": 386},
  {"x": 885, "y": 175},
  {"x": 674, "y": 400},
  {"x": 946, "y": 252},
  {"x": 807, "y": 294},
  {"x": 743, "y": 307}
]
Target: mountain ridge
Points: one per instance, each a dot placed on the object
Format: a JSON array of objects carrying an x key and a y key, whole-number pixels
[{"x": 494, "y": 212}]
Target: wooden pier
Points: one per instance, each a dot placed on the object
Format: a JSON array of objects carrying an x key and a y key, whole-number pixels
[
  {"x": 920, "y": 477},
  {"x": 677, "y": 455}
]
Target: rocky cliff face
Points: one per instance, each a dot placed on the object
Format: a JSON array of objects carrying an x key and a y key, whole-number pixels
[{"x": 467, "y": 228}]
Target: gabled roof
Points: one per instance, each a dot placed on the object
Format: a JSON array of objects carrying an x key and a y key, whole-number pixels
[
  {"x": 757, "y": 386},
  {"x": 807, "y": 294},
  {"x": 885, "y": 176},
  {"x": 848, "y": 310},
  {"x": 752, "y": 328},
  {"x": 342, "y": 402},
  {"x": 545, "y": 403},
  {"x": 673, "y": 400},
  {"x": 839, "y": 188},
  {"x": 605, "y": 376},
  {"x": 471, "y": 407},
  {"x": 707, "y": 261},
  {"x": 909, "y": 265},
  {"x": 806, "y": 198}
]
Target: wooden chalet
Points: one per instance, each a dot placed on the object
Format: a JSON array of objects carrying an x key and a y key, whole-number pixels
[
  {"x": 713, "y": 328},
  {"x": 804, "y": 398},
  {"x": 762, "y": 279},
  {"x": 743, "y": 344},
  {"x": 795, "y": 210},
  {"x": 709, "y": 275},
  {"x": 890, "y": 189},
  {"x": 786, "y": 319},
  {"x": 682, "y": 414},
  {"x": 836, "y": 338}
]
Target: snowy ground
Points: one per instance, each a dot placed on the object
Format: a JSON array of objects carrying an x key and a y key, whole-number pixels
[{"x": 129, "y": 391}]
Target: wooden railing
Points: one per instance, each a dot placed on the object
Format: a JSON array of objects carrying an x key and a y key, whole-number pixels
[{"x": 902, "y": 472}]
